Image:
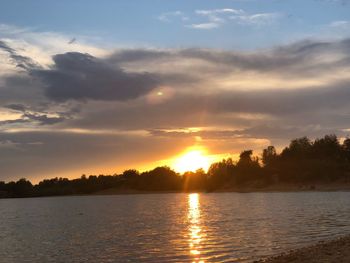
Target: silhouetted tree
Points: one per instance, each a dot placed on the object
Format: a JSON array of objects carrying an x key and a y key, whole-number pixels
[
  {"x": 22, "y": 188},
  {"x": 327, "y": 147},
  {"x": 248, "y": 168},
  {"x": 298, "y": 148},
  {"x": 130, "y": 173},
  {"x": 346, "y": 148},
  {"x": 221, "y": 174},
  {"x": 161, "y": 178},
  {"x": 269, "y": 156}
]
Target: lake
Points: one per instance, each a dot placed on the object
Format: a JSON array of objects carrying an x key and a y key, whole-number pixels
[{"x": 214, "y": 227}]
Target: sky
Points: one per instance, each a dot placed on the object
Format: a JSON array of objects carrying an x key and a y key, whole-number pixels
[{"x": 96, "y": 87}]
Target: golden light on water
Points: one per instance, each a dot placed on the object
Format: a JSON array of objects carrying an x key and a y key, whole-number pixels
[{"x": 195, "y": 229}]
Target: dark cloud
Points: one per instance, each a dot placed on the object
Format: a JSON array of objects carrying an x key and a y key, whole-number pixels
[
  {"x": 81, "y": 76},
  {"x": 132, "y": 55},
  {"x": 297, "y": 58},
  {"x": 40, "y": 118},
  {"x": 15, "y": 121},
  {"x": 16, "y": 107},
  {"x": 43, "y": 119}
]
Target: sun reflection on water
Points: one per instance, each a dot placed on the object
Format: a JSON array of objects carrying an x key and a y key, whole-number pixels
[{"x": 195, "y": 229}]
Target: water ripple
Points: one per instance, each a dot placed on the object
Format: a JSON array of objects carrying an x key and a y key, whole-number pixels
[{"x": 201, "y": 228}]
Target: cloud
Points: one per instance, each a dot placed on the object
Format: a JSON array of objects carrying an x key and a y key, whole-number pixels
[
  {"x": 235, "y": 109},
  {"x": 272, "y": 132},
  {"x": 340, "y": 24},
  {"x": 121, "y": 76},
  {"x": 31, "y": 116},
  {"x": 294, "y": 85},
  {"x": 81, "y": 76},
  {"x": 204, "y": 25},
  {"x": 256, "y": 19},
  {"x": 168, "y": 16},
  {"x": 20, "y": 61},
  {"x": 213, "y": 12},
  {"x": 41, "y": 46},
  {"x": 43, "y": 119},
  {"x": 215, "y": 18},
  {"x": 302, "y": 59},
  {"x": 16, "y": 121},
  {"x": 16, "y": 107}
]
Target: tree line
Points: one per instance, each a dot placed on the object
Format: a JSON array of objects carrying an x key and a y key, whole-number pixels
[{"x": 324, "y": 160}]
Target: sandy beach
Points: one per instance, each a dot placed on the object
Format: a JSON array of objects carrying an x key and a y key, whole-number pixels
[{"x": 337, "y": 251}]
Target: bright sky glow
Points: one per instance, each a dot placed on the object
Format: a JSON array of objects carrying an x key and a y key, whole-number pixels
[{"x": 192, "y": 160}]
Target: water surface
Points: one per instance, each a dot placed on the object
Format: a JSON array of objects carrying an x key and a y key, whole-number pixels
[{"x": 220, "y": 227}]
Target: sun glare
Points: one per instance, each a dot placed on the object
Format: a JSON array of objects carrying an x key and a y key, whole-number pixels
[{"x": 192, "y": 161}]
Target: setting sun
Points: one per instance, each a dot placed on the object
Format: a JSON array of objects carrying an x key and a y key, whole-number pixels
[{"x": 192, "y": 161}]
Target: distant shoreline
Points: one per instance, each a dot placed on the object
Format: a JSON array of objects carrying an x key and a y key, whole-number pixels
[
  {"x": 336, "y": 250},
  {"x": 274, "y": 188},
  {"x": 269, "y": 189}
]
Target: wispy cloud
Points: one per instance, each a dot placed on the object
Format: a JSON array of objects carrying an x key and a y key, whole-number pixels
[
  {"x": 168, "y": 16},
  {"x": 215, "y": 18},
  {"x": 209, "y": 25},
  {"x": 219, "y": 11},
  {"x": 336, "y": 29},
  {"x": 342, "y": 24},
  {"x": 256, "y": 19},
  {"x": 29, "y": 42}
]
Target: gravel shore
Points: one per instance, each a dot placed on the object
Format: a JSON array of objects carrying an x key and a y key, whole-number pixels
[{"x": 337, "y": 251}]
